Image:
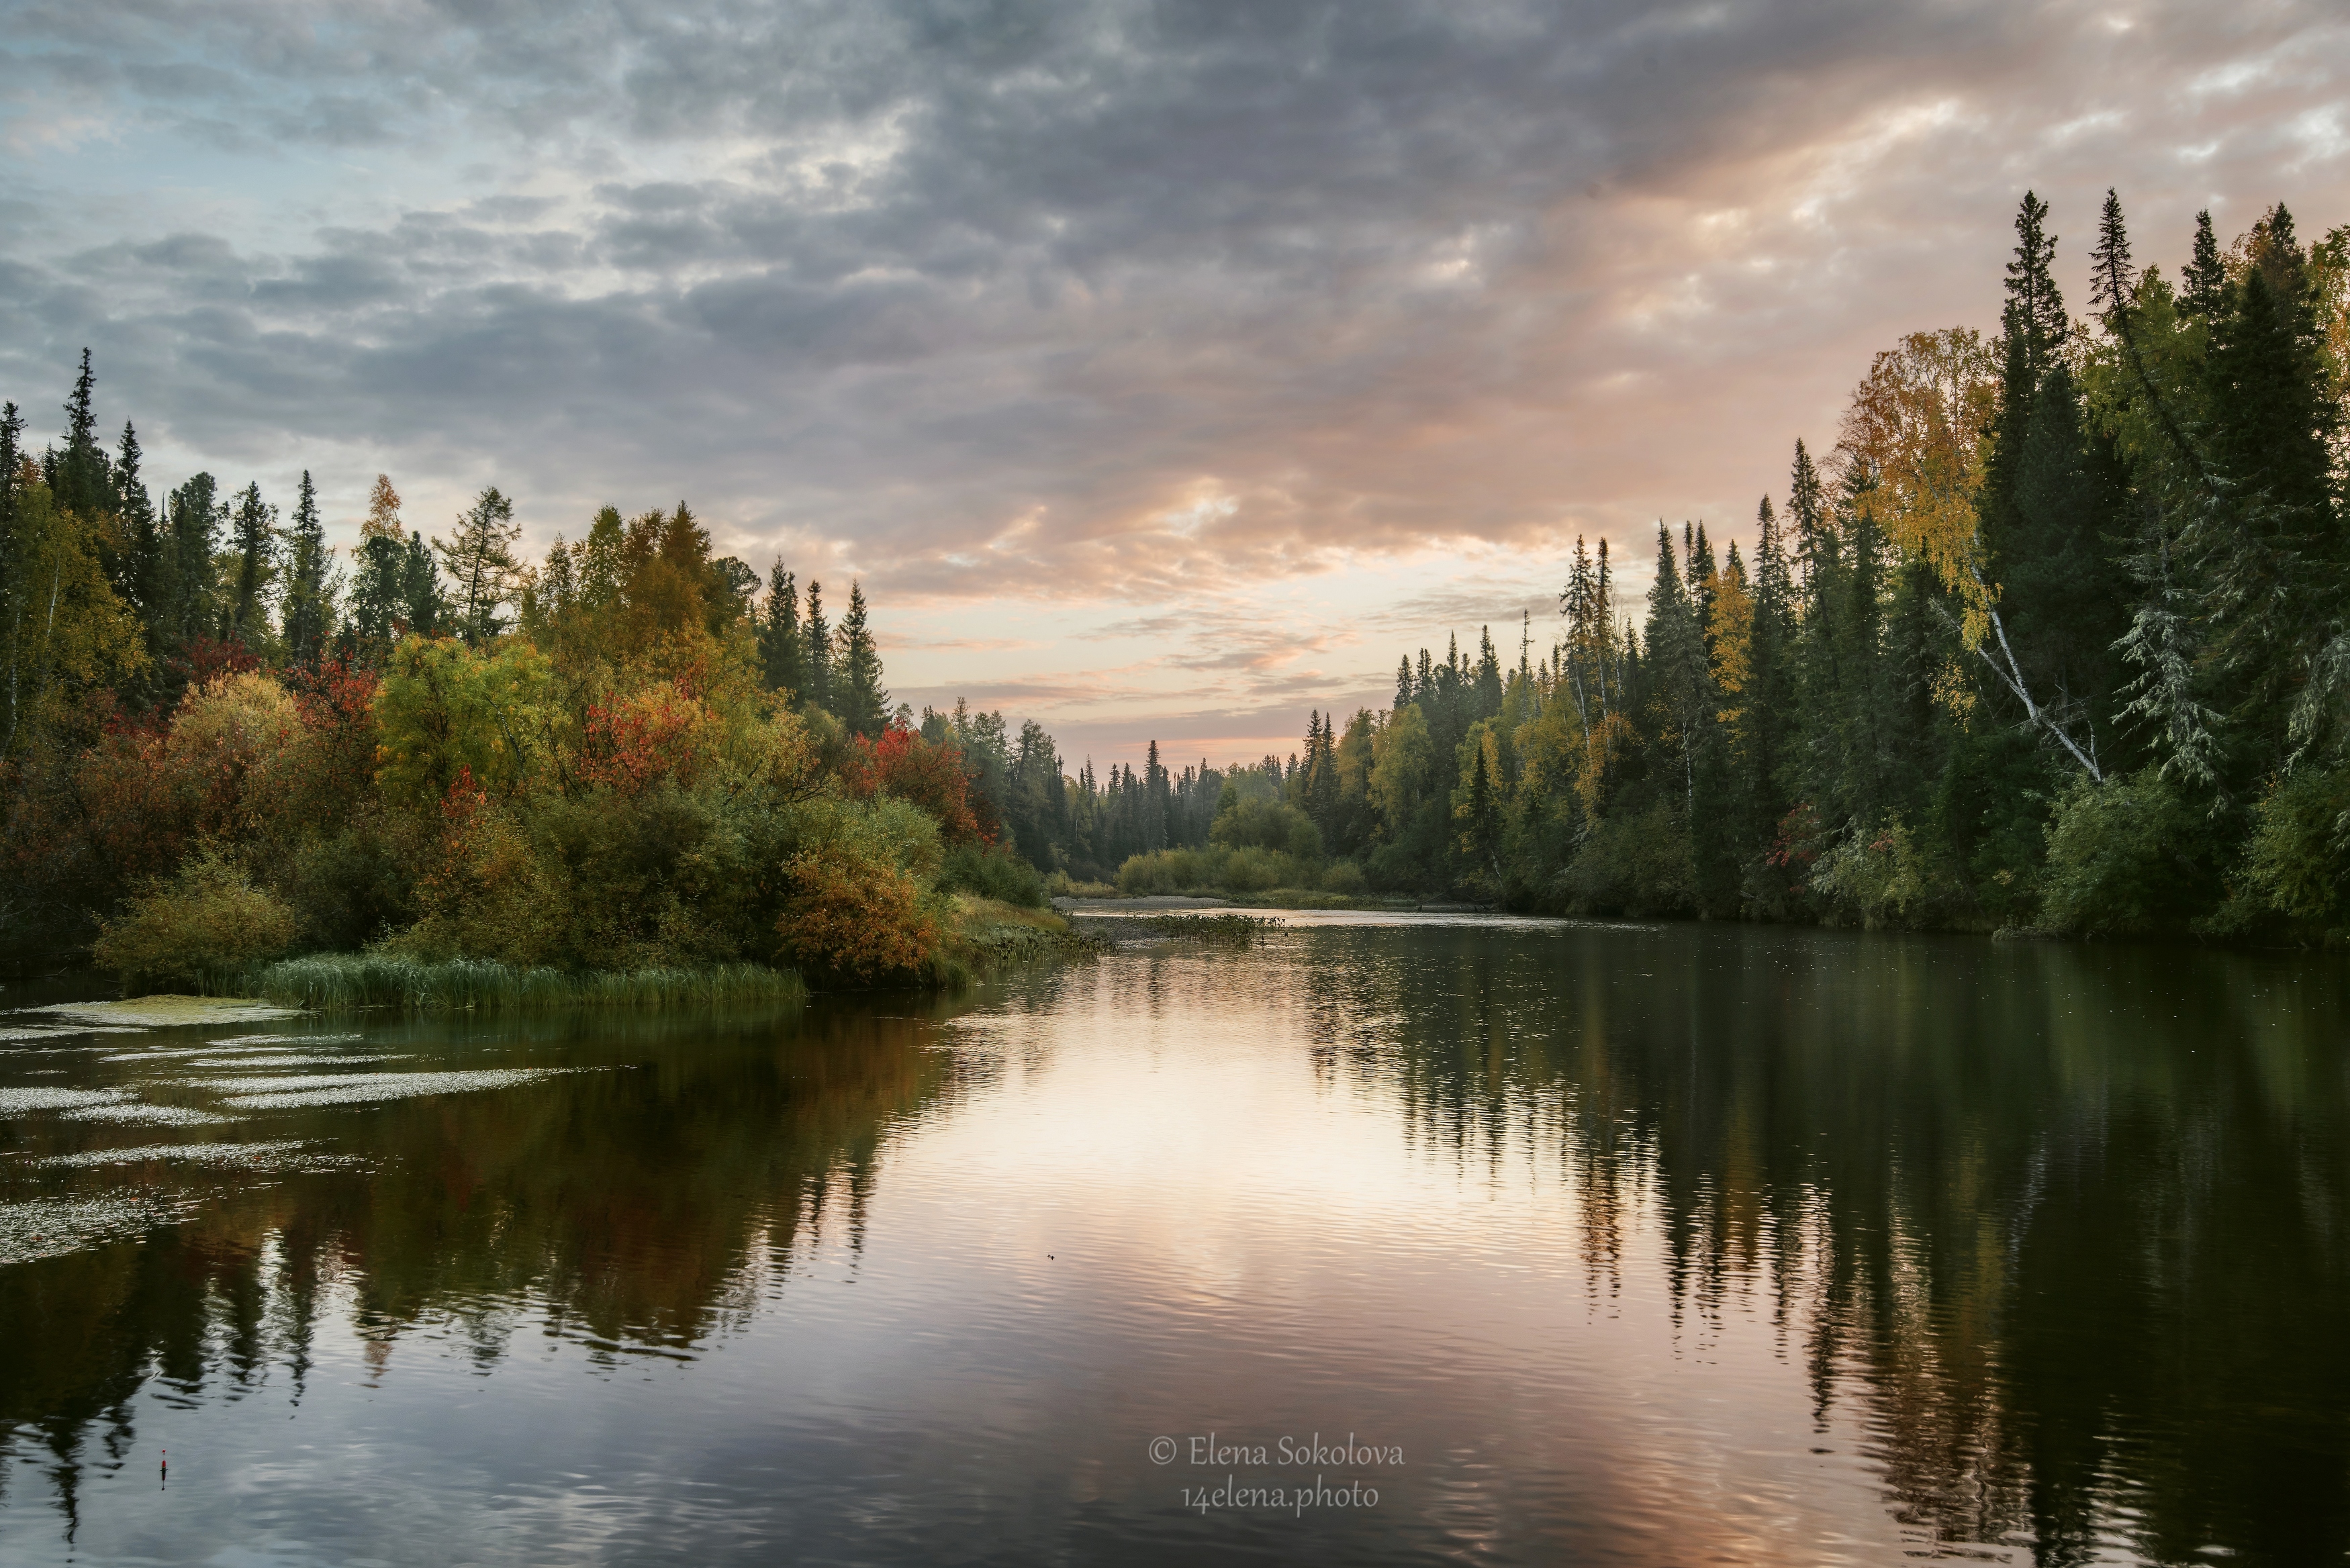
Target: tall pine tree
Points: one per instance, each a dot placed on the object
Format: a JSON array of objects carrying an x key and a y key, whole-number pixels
[
  {"x": 309, "y": 607},
  {"x": 864, "y": 702},
  {"x": 253, "y": 536},
  {"x": 782, "y": 658}
]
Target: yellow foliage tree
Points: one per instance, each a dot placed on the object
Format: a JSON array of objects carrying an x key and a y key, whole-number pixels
[
  {"x": 66, "y": 632},
  {"x": 1914, "y": 435}
]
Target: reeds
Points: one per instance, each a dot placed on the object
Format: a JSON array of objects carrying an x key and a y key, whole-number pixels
[{"x": 337, "y": 981}]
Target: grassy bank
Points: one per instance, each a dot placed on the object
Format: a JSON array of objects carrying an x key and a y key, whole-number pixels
[
  {"x": 334, "y": 982},
  {"x": 979, "y": 935},
  {"x": 985, "y": 933}
]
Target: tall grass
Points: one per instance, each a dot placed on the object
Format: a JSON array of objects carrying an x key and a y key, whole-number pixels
[{"x": 332, "y": 982}]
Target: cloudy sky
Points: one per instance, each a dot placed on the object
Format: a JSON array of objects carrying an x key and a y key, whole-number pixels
[{"x": 1161, "y": 368}]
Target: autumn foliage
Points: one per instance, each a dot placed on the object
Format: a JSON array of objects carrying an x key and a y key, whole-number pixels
[
  {"x": 848, "y": 916},
  {"x": 933, "y": 776}
]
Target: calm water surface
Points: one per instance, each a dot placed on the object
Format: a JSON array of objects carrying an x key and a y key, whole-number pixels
[{"x": 1571, "y": 1243}]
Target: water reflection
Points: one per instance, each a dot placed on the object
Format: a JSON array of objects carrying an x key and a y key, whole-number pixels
[
  {"x": 635, "y": 1199},
  {"x": 1654, "y": 1242},
  {"x": 2067, "y": 1222}
]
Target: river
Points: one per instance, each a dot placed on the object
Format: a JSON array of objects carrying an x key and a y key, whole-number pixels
[{"x": 1386, "y": 1240}]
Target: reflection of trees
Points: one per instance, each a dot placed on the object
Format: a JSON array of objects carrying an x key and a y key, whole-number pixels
[
  {"x": 2069, "y": 1222},
  {"x": 639, "y": 1204}
]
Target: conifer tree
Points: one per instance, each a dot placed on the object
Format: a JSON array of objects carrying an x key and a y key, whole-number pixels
[
  {"x": 864, "y": 702},
  {"x": 819, "y": 652},
  {"x": 16, "y": 556},
  {"x": 379, "y": 591},
  {"x": 478, "y": 559},
  {"x": 781, "y": 658},
  {"x": 2268, "y": 555},
  {"x": 1676, "y": 648},
  {"x": 309, "y": 607},
  {"x": 2205, "y": 276},
  {"x": 2033, "y": 327},
  {"x": 421, "y": 604},
  {"x": 142, "y": 545},
  {"x": 1403, "y": 683},
  {"x": 253, "y": 535},
  {"x": 1807, "y": 510},
  {"x": 82, "y": 483},
  {"x": 196, "y": 519},
  {"x": 1770, "y": 704}
]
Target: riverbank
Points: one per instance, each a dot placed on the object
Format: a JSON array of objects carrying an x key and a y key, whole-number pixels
[{"x": 977, "y": 937}]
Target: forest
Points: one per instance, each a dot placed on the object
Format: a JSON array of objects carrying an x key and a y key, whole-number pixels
[
  {"x": 2055, "y": 637},
  {"x": 222, "y": 746}
]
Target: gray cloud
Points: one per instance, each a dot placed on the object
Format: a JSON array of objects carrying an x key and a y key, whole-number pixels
[{"x": 1138, "y": 301}]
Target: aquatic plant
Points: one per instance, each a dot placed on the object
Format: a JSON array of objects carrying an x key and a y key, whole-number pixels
[
  {"x": 1229, "y": 930},
  {"x": 335, "y": 981}
]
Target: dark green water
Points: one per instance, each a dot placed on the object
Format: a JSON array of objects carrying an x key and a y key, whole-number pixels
[{"x": 1586, "y": 1244}]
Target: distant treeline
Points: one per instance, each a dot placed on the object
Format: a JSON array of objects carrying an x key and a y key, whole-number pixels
[{"x": 2057, "y": 637}]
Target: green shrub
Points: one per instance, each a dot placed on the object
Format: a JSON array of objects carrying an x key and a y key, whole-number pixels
[
  {"x": 1632, "y": 865},
  {"x": 1266, "y": 825},
  {"x": 1179, "y": 871},
  {"x": 992, "y": 871},
  {"x": 1254, "y": 870},
  {"x": 2298, "y": 858},
  {"x": 208, "y": 920},
  {"x": 1877, "y": 876},
  {"x": 1397, "y": 867},
  {"x": 1345, "y": 876},
  {"x": 2125, "y": 858}
]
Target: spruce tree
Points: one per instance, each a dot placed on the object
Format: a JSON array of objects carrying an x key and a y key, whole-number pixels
[
  {"x": 379, "y": 592},
  {"x": 308, "y": 607},
  {"x": 2032, "y": 328},
  {"x": 1769, "y": 688},
  {"x": 1676, "y": 649},
  {"x": 1403, "y": 683},
  {"x": 421, "y": 604},
  {"x": 196, "y": 519},
  {"x": 14, "y": 552},
  {"x": 82, "y": 483},
  {"x": 819, "y": 652},
  {"x": 864, "y": 702},
  {"x": 781, "y": 661},
  {"x": 478, "y": 559},
  {"x": 142, "y": 545},
  {"x": 253, "y": 535},
  {"x": 2268, "y": 556},
  {"x": 2205, "y": 276}
]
